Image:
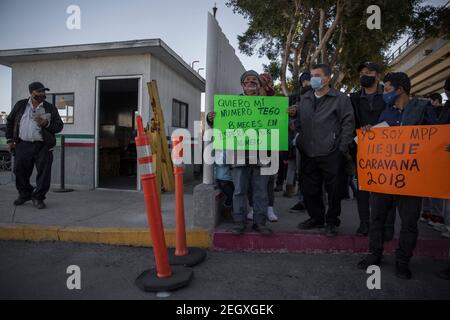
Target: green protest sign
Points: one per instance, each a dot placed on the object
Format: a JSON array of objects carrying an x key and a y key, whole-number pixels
[{"x": 251, "y": 123}]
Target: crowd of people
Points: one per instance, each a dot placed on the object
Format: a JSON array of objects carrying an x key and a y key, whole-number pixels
[{"x": 319, "y": 167}]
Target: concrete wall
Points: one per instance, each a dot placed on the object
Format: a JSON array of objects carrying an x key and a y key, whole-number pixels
[
  {"x": 172, "y": 86},
  {"x": 79, "y": 167},
  {"x": 417, "y": 54},
  {"x": 223, "y": 74},
  {"x": 224, "y": 69}
]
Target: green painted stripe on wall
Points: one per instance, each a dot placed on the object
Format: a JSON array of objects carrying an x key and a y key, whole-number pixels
[
  {"x": 58, "y": 136},
  {"x": 78, "y": 136}
]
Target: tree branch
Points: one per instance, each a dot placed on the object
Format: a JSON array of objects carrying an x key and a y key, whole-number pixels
[{"x": 339, "y": 7}]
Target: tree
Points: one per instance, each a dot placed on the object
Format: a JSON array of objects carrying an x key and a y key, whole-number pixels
[
  {"x": 429, "y": 21},
  {"x": 294, "y": 34}
]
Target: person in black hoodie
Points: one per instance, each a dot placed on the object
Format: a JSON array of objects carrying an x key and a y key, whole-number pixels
[
  {"x": 305, "y": 87},
  {"x": 30, "y": 133},
  {"x": 444, "y": 118},
  {"x": 368, "y": 104},
  {"x": 401, "y": 111}
]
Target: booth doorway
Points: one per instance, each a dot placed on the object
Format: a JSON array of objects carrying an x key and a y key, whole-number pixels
[{"x": 118, "y": 99}]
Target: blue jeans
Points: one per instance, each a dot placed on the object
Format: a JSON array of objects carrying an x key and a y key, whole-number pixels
[{"x": 241, "y": 178}]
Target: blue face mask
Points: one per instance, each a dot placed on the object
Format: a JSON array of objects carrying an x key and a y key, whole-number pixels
[
  {"x": 316, "y": 83},
  {"x": 390, "y": 97}
]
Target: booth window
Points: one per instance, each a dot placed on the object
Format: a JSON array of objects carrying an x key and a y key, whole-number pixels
[
  {"x": 65, "y": 103},
  {"x": 179, "y": 114}
]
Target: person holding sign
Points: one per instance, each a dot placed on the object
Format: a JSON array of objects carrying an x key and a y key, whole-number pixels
[
  {"x": 368, "y": 104},
  {"x": 443, "y": 117},
  {"x": 401, "y": 111},
  {"x": 266, "y": 90},
  {"x": 305, "y": 87},
  {"x": 326, "y": 126},
  {"x": 243, "y": 173}
]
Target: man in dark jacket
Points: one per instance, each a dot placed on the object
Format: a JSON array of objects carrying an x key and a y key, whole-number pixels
[
  {"x": 31, "y": 128},
  {"x": 401, "y": 111},
  {"x": 305, "y": 87},
  {"x": 368, "y": 104},
  {"x": 325, "y": 125},
  {"x": 444, "y": 118}
]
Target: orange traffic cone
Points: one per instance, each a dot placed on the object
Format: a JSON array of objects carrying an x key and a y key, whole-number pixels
[
  {"x": 163, "y": 278},
  {"x": 181, "y": 255}
]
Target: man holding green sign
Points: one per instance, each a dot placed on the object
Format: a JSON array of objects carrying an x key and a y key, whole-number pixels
[{"x": 244, "y": 125}]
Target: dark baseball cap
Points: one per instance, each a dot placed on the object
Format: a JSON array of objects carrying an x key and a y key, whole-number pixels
[
  {"x": 372, "y": 66},
  {"x": 305, "y": 76},
  {"x": 37, "y": 86}
]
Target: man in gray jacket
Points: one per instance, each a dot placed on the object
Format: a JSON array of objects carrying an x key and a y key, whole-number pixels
[{"x": 325, "y": 125}]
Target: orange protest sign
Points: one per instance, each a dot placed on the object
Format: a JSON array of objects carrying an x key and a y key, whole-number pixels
[{"x": 410, "y": 160}]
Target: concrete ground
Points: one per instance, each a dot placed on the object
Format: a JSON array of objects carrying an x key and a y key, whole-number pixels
[
  {"x": 125, "y": 209},
  {"x": 349, "y": 219},
  {"x": 87, "y": 208},
  {"x": 38, "y": 271}
]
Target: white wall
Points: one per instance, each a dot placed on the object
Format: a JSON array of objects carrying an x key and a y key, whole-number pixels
[
  {"x": 223, "y": 74},
  {"x": 418, "y": 54},
  {"x": 78, "y": 76},
  {"x": 223, "y": 67},
  {"x": 172, "y": 86}
]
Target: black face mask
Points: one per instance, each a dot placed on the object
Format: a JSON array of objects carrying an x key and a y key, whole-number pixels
[
  {"x": 40, "y": 98},
  {"x": 367, "y": 81}
]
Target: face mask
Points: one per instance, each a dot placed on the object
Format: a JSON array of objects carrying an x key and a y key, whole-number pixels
[
  {"x": 251, "y": 89},
  {"x": 367, "y": 81},
  {"x": 390, "y": 97},
  {"x": 40, "y": 98},
  {"x": 316, "y": 83}
]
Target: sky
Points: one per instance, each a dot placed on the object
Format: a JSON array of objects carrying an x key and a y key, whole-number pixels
[{"x": 179, "y": 23}]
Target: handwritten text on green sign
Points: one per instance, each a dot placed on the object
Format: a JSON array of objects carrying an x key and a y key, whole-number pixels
[{"x": 249, "y": 121}]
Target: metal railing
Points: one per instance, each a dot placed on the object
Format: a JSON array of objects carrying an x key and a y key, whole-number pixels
[
  {"x": 400, "y": 50},
  {"x": 408, "y": 43}
]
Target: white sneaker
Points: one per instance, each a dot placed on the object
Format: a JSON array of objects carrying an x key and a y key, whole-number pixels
[
  {"x": 271, "y": 215},
  {"x": 250, "y": 213},
  {"x": 446, "y": 234},
  {"x": 441, "y": 228},
  {"x": 436, "y": 224}
]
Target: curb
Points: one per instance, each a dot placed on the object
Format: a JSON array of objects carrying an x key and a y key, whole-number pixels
[
  {"x": 136, "y": 237},
  {"x": 220, "y": 240},
  {"x": 303, "y": 242}
]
